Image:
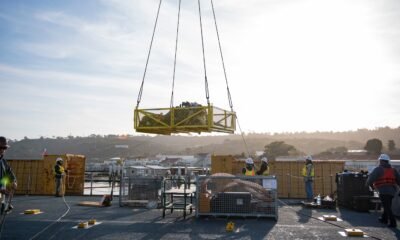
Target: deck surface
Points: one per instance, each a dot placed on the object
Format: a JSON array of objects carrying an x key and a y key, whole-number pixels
[{"x": 138, "y": 223}]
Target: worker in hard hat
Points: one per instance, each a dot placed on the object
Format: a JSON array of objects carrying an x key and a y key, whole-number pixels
[
  {"x": 308, "y": 176},
  {"x": 59, "y": 172},
  {"x": 385, "y": 179},
  {"x": 264, "y": 168},
  {"x": 7, "y": 176},
  {"x": 249, "y": 170}
]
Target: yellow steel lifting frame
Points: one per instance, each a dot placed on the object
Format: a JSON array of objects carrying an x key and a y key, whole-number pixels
[{"x": 198, "y": 119}]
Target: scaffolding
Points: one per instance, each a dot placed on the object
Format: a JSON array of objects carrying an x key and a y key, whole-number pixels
[{"x": 245, "y": 196}]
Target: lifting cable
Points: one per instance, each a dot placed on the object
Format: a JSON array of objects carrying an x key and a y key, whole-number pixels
[
  {"x": 148, "y": 56},
  {"x": 176, "y": 50},
  {"x": 204, "y": 57},
  {"x": 241, "y": 134},
  {"x": 327, "y": 222},
  {"x": 222, "y": 57},
  {"x": 226, "y": 78}
]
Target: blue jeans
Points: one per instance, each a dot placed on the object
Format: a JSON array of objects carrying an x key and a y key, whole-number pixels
[{"x": 309, "y": 191}]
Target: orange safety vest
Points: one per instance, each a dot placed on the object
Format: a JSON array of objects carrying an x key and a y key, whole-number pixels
[
  {"x": 250, "y": 173},
  {"x": 387, "y": 179}
]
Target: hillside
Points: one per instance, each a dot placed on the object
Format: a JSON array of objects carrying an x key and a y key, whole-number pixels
[{"x": 99, "y": 148}]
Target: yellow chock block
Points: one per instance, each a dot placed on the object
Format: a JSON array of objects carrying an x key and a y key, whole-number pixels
[
  {"x": 83, "y": 225},
  {"x": 92, "y": 222},
  {"x": 230, "y": 226},
  {"x": 329, "y": 217},
  {"x": 32, "y": 211},
  {"x": 352, "y": 232}
]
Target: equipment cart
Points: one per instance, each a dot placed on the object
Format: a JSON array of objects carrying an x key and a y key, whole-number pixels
[{"x": 177, "y": 197}]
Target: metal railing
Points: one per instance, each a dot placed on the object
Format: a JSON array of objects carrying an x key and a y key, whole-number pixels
[{"x": 100, "y": 183}]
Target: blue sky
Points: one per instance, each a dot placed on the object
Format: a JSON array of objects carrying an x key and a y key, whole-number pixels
[{"x": 75, "y": 67}]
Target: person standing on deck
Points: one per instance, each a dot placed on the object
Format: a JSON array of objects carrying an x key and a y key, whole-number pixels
[
  {"x": 249, "y": 170},
  {"x": 308, "y": 176},
  {"x": 385, "y": 180},
  {"x": 7, "y": 175},
  {"x": 58, "y": 174},
  {"x": 264, "y": 168}
]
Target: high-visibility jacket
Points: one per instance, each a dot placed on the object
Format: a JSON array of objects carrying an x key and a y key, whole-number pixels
[
  {"x": 251, "y": 172},
  {"x": 58, "y": 170},
  {"x": 304, "y": 171},
  {"x": 388, "y": 178}
]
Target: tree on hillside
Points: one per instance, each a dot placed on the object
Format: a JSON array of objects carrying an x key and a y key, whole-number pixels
[
  {"x": 374, "y": 146},
  {"x": 279, "y": 148},
  {"x": 391, "y": 145}
]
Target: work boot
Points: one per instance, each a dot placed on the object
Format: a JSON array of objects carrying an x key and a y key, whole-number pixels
[{"x": 9, "y": 209}]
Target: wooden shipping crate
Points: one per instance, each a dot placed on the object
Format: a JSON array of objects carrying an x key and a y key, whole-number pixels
[
  {"x": 221, "y": 164},
  {"x": 288, "y": 173},
  {"x": 36, "y": 177},
  {"x": 76, "y": 174},
  {"x": 292, "y": 184}
]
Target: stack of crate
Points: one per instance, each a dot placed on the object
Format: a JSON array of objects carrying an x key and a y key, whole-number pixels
[
  {"x": 288, "y": 174},
  {"x": 29, "y": 176},
  {"x": 75, "y": 180},
  {"x": 36, "y": 177},
  {"x": 291, "y": 182}
]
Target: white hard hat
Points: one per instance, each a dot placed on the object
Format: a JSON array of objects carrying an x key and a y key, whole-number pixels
[
  {"x": 59, "y": 159},
  {"x": 384, "y": 157},
  {"x": 309, "y": 158},
  {"x": 249, "y": 161},
  {"x": 264, "y": 159}
]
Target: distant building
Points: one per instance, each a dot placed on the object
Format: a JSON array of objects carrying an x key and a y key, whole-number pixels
[
  {"x": 170, "y": 162},
  {"x": 203, "y": 160},
  {"x": 357, "y": 152}
]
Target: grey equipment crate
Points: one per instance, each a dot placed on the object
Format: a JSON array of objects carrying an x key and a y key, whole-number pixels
[
  {"x": 141, "y": 191},
  {"x": 223, "y": 194}
]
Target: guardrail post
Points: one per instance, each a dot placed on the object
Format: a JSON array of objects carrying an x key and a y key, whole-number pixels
[
  {"x": 91, "y": 183},
  {"x": 290, "y": 185}
]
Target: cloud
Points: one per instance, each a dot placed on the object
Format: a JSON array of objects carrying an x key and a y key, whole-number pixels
[{"x": 336, "y": 61}]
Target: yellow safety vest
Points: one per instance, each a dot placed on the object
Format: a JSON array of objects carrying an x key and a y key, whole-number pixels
[
  {"x": 58, "y": 171},
  {"x": 304, "y": 171},
  {"x": 250, "y": 173}
]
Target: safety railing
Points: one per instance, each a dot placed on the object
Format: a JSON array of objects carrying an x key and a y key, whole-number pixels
[{"x": 101, "y": 183}]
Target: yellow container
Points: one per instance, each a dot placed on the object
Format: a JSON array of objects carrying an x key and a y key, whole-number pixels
[
  {"x": 32, "y": 211},
  {"x": 83, "y": 225}
]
